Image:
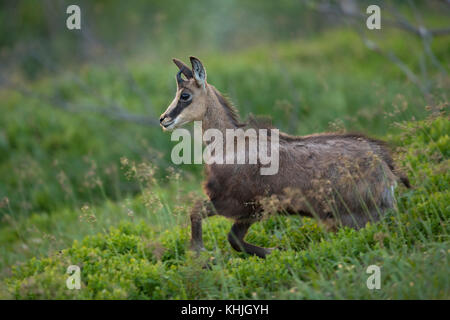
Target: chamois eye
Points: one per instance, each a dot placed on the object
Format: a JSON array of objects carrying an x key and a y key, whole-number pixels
[{"x": 185, "y": 96}]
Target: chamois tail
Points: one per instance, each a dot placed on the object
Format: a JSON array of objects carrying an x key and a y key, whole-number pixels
[{"x": 386, "y": 155}]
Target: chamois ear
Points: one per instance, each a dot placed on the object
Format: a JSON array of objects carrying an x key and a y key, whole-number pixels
[
  {"x": 199, "y": 72},
  {"x": 183, "y": 68}
]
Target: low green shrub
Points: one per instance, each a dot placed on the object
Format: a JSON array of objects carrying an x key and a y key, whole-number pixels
[{"x": 136, "y": 261}]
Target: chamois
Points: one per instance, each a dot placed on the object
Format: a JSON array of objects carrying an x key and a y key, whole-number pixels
[{"x": 345, "y": 179}]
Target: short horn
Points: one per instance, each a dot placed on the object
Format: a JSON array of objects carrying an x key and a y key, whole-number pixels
[
  {"x": 183, "y": 68},
  {"x": 179, "y": 78}
]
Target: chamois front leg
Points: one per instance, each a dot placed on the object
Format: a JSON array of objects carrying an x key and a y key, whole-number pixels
[
  {"x": 201, "y": 209},
  {"x": 236, "y": 239}
]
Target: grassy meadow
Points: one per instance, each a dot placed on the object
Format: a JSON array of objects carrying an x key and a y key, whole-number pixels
[{"x": 79, "y": 187}]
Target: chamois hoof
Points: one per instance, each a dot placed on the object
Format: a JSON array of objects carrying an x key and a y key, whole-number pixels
[
  {"x": 265, "y": 252},
  {"x": 270, "y": 250},
  {"x": 197, "y": 248}
]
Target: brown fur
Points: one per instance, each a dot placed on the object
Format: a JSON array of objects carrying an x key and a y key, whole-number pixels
[{"x": 345, "y": 178}]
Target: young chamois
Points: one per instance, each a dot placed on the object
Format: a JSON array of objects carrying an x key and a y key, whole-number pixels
[{"x": 345, "y": 179}]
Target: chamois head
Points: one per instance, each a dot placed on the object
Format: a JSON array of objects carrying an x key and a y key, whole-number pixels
[{"x": 189, "y": 103}]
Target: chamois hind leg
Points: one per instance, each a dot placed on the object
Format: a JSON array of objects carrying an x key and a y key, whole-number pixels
[
  {"x": 236, "y": 239},
  {"x": 358, "y": 221},
  {"x": 373, "y": 214},
  {"x": 202, "y": 209},
  {"x": 355, "y": 221}
]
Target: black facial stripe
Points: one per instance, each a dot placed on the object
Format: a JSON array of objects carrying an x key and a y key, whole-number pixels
[{"x": 181, "y": 105}]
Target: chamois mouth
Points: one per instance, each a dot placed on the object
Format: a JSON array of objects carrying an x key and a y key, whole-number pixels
[{"x": 168, "y": 125}]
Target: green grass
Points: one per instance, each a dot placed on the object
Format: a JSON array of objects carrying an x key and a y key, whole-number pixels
[
  {"x": 74, "y": 199},
  {"x": 48, "y": 162},
  {"x": 139, "y": 259}
]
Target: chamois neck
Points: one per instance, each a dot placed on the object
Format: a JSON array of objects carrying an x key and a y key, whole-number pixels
[{"x": 218, "y": 113}]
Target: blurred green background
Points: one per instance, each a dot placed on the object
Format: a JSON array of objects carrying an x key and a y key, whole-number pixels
[
  {"x": 74, "y": 102},
  {"x": 64, "y": 91}
]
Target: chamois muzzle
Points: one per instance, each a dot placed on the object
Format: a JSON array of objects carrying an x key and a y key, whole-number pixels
[{"x": 166, "y": 123}]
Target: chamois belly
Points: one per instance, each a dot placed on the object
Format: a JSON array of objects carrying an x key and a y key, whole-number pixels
[
  {"x": 233, "y": 192},
  {"x": 318, "y": 184}
]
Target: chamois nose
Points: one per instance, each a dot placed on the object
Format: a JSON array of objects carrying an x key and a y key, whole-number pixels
[{"x": 161, "y": 119}]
